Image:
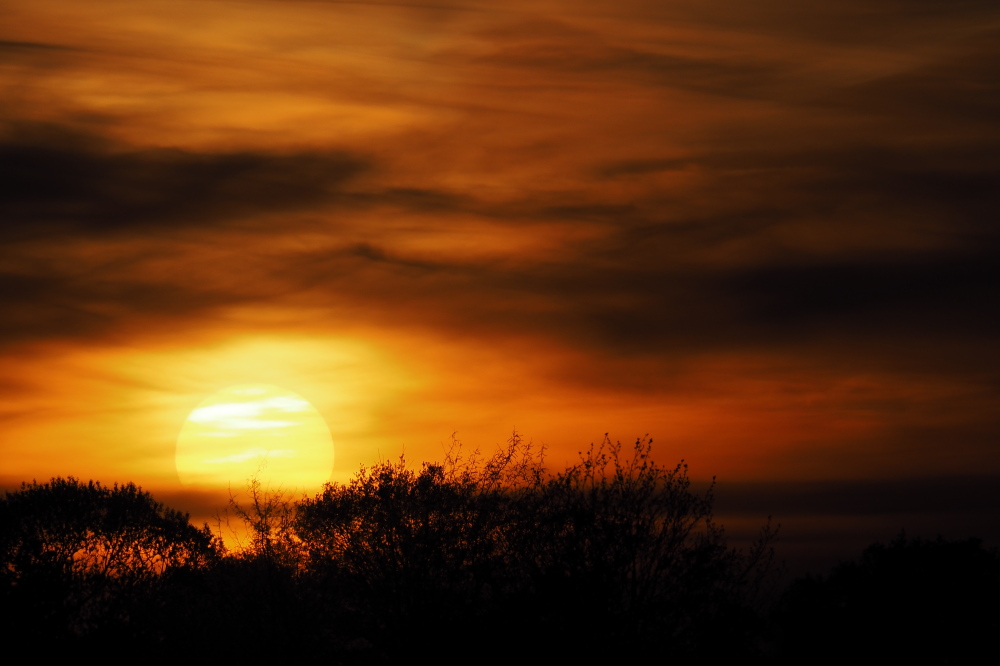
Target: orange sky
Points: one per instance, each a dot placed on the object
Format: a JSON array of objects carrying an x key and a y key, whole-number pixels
[{"x": 764, "y": 236}]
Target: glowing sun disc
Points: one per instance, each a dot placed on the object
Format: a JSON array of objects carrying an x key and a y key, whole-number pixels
[{"x": 257, "y": 430}]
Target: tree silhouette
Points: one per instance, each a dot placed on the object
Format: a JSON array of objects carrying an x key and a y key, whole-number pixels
[
  {"x": 79, "y": 558},
  {"x": 259, "y": 571},
  {"x": 613, "y": 556},
  {"x": 263, "y": 531},
  {"x": 407, "y": 552},
  {"x": 622, "y": 548},
  {"x": 912, "y": 598},
  {"x": 615, "y": 553}
]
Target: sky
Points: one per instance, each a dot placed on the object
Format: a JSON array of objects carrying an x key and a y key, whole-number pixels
[{"x": 765, "y": 236}]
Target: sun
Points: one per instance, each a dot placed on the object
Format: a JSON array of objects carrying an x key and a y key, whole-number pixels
[{"x": 255, "y": 430}]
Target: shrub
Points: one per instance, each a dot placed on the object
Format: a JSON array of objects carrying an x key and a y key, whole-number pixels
[
  {"x": 911, "y": 598},
  {"x": 614, "y": 552},
  {"x": 75, "y": 557}
]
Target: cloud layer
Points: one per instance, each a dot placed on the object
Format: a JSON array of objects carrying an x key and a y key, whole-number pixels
[{"x": 632, "y": 195}]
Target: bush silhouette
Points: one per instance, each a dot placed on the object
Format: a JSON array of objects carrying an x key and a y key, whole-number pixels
[
  {"x": 622, "y": 548},
  {"x": 614, "y": 548},
  {"x": 911, "y": 598},
  {"x": 409, "y": 552},
  {"x": 78, "y": 559},
  {"x": 612, "y": 556}
]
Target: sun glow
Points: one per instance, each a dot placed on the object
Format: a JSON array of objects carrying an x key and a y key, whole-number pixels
[{"x": 257, "y": 430}]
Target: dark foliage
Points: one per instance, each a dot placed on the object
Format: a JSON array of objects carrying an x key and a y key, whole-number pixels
[
  {"x": 614, "y": 554},
  {"x": 932, "y": 601},
  {"x": 628, "y": 559},
  {"x": 614, "y": 557},
  {"x": 81, "y": 561},
  {"x": 412, "y": 554}
]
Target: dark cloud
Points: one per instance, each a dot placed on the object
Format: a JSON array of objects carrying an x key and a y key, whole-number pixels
[
  {"x": 573, "y": 54},
  {"x": 81, "y": 306},
  {"x": 641, "y": 167},
  {"x": 826, "y": 521},
  {"x": 12, "y": 48},
  {"x": 858, "y": 216},
  {"x": 944, "y": 494},
  {"x": 626, "y": 309},
  {"x": 54, "y": 177},
  {"x": 884, "y": 22}
]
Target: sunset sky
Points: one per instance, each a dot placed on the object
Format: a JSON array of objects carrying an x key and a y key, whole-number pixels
[{"x": 766, "y": 236}]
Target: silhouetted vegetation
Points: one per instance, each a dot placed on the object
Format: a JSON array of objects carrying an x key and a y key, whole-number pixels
[
  {"x": 611, "y": 557},
  {"x": 932, "y": 601},
  {"x": 83, "y": 561},
  {"x": 612, "y": 553}
]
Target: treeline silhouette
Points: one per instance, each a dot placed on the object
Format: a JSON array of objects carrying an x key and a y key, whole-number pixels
[
  {"x": 912, "y": 600},
  {"x": 468, "y": 559}
]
